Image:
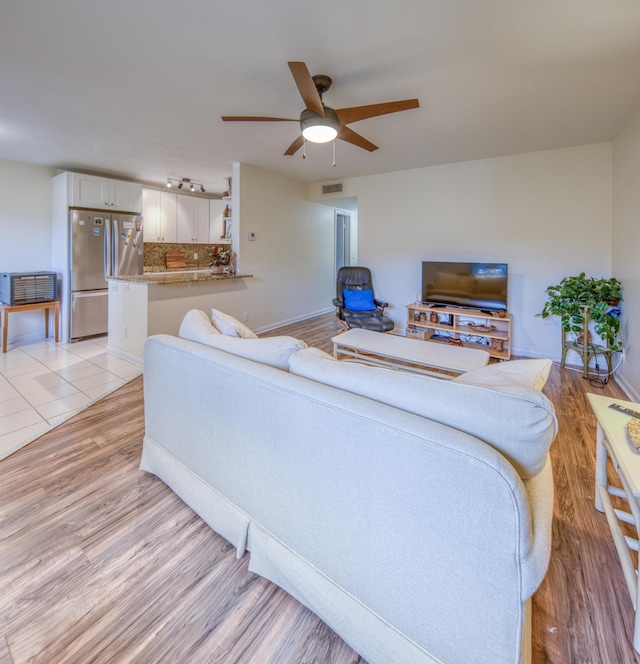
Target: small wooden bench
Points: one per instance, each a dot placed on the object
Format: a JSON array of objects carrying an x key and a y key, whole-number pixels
[{"x": 7, "y": 309}]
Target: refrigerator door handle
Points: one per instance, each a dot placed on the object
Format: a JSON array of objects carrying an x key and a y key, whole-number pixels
[{"x": 108, "y": 249}]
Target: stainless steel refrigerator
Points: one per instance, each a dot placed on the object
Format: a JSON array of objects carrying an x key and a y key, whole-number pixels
[{"x": 101, "y": 245}]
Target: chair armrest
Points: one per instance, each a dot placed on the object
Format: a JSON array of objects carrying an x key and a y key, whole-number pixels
[
  {"x": 375, "y": 313},
  {"x": 337, "y": 303},
  {"x": 380, "y": 303}
]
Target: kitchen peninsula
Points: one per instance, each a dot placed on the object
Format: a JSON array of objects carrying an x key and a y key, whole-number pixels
[{"x": 155, "y": 303}]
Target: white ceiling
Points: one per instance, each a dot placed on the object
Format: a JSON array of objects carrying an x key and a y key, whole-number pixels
[{"x": 136, "y": 88}]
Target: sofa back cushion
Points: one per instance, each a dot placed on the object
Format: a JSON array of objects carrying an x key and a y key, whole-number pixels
[
  {"x": 529, "y": 373},
  {"x": 231, "y": 326},
  {"x": 274, "y": 351},
  {"x": 516, "y": 420},
  {"x": 197, "y": 326}
]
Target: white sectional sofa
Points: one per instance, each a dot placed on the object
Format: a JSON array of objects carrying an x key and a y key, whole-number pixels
[{"x": 412, "y": 515}]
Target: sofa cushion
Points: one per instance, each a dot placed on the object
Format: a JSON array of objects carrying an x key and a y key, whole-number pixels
[
  {"x": 358, "y": 300},
  {"x": 197, "y": 326},
  {"x": 530, "y": 373},
  {"x": 274, "y": 351},
  {"x": 231, "y": 326},
  {"x": 517, "y": 421}
]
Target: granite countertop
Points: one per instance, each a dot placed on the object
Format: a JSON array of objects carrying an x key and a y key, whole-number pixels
[{"x": 183, "y": 277}]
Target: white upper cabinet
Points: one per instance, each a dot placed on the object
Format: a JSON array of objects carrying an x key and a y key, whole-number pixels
[
  {"x": 159, "y": 215},
  {"x": 193, "y": 219},
  {"x": 91, "y": 191},
  {"x": 125, "y": 196},
  {"x": 168, "y": 217},
  {"x": 151, "y": 215},
  {"x": 201, "y": 220}
]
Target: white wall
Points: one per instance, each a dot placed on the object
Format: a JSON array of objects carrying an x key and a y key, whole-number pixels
[
  {"x": 547, "y": 214},
  {"x": 626, "y": 241},
  {"x": 25, "y": 232},
  {"x": 293, "y": 255}
]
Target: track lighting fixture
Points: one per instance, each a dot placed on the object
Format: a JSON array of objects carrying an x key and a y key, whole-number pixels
[{"x": 188, "y": 181}]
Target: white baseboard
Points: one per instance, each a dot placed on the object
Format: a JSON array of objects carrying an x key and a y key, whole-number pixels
[
  {"x": 125, "y": 356},
  {"x": 25, "y": 339},
  {"x": 628, "y": 390},
  {"x": 296, "y": 319}
]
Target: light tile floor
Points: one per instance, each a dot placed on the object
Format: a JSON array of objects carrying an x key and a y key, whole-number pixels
[{"x": 45, "y": 383}]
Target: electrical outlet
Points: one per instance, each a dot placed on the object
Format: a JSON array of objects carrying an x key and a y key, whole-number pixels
[
  {"x": 246, "y": 317},
  {"x": 195, "y": 256},
  {"x": 252, "y": 237}
]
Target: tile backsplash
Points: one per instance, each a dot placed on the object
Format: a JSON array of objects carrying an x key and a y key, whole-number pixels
[{"x": 154, "y": 255}]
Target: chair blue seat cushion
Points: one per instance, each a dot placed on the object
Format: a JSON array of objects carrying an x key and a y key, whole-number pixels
[{"x": 358, "y": 300}]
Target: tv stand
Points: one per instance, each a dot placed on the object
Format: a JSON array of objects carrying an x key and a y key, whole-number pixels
[{"x": 454, "y": 323}]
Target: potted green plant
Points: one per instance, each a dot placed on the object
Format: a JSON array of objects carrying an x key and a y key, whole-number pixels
[{"x": 575, "y": 298}]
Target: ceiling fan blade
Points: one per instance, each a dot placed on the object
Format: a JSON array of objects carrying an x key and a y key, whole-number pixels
[
  {"x": 306, "y": 87},
  {"x": 295, "y": 146},
  {"x": 350, "y": 136},
  {"x": 355, "y": 113},
  {"x": 254, "y": 118}
]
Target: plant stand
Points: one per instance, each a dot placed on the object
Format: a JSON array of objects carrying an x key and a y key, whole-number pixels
[{"x": 585, "y": 349}]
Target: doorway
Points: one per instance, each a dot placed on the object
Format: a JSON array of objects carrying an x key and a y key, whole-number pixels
[{"x": 343, "y": 239}]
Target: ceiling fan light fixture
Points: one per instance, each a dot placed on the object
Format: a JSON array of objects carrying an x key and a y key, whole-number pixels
[
  {"x": 319, "y": 133},
  {"x": 318, "y": 129}
]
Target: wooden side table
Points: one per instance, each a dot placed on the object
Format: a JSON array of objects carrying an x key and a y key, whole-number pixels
[
  {"x": 612, "y": 441},
  {"x": 7, "y": 309}
]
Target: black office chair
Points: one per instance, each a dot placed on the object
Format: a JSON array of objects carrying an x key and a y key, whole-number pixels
[{"x": 355, "y": 304}]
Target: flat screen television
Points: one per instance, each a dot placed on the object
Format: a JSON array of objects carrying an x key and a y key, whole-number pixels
[{"x": 477, "y": 285}]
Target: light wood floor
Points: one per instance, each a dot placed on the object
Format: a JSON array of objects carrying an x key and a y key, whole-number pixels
[{"x": 100, "y": 562}]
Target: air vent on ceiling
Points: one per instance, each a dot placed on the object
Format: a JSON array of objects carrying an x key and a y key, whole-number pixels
[{"x": 332, "y": 188}]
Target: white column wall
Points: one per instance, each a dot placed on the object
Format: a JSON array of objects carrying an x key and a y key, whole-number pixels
[
  {"x": 292, "y": 257},
  {"x": 626, "y": 244}
]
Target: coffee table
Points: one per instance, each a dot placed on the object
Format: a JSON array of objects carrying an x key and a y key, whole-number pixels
[
  {"x": 391, "y": 350},
  {"x": 612, "y": 441}
]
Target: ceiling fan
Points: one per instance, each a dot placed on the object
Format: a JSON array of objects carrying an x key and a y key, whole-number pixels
[{"x": 320, "y": 123}]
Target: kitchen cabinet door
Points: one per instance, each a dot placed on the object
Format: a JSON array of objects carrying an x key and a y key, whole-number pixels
[
  {"x": 193, "y": 219},
  {"x": 186, "y": 209},
  {"x": 168, "y": 217},
  {"x": 151, "y": 215},
  {"x": 125, "y": 196},
  {"x": 200, "y": 225},
  {"x": 89, "y": 191},
  {"x": 92, "y": 191}
]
